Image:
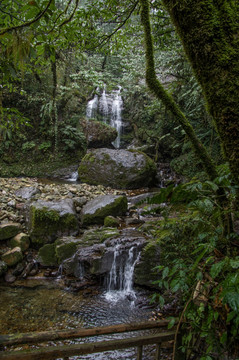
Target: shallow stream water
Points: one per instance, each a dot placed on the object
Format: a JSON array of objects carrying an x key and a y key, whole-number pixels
[{"x": 39, "y": 305}]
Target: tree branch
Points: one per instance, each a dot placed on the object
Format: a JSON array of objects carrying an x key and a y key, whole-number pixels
[
  {"x": 108, "y": 37},
  {"x": 71, "y": 16},
  {"x": 28, "y": 23}
]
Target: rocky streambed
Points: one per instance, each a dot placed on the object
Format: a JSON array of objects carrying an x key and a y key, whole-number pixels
[{"x": 72, "y": 228}]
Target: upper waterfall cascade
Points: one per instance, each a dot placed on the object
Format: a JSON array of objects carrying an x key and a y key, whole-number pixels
[{"x": 109, "y": 108}]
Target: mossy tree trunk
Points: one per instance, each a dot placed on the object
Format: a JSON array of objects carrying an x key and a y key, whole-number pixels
[
  {"x": 209, "y": 31},
  {"x": 159, "y": 91}
]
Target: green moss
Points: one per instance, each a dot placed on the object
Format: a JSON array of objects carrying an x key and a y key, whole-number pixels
[
  {"x": 9, "y": 230},
  {"x": 110, "y": 221},
  {"x": 47, "y": 255},
  {"x": 65, "y": 250},
  {"x": 46, "y": 224}
]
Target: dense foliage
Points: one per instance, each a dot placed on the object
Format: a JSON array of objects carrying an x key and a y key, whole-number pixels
[{"x": 56, "y": 53}]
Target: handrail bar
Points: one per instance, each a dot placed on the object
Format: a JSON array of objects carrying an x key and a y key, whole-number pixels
[
  {"x": 65, "y": 351},
  {"x": 37, "y": 337}
]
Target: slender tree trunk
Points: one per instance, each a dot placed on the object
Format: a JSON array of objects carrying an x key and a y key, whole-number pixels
[{"x": 209, "y": 31}]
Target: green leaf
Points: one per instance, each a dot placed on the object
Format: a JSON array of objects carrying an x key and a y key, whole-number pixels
[
  {"x": 217, "y": 268},
  {"x": 171, "y": 322},
  {"x": 235, "y": 263},
  {"x": 232, "y": 299}
]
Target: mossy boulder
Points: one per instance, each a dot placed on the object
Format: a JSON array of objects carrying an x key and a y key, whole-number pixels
[
  {"x": 47, "y": 255},
  {"x": 119, "y": 169},
  {"x": 97, "y": 133},
  {"x": 12, "y": 257},
  {"x": 111, "y": 221},
  {"x": 3, "y": 267},
  {"x": 9, "y": 230},
  {"x": 144, "y": 272},
  {"x": 48, "y": 220},
  {"x": 95, "y": 211},
  {"x": 65, "y": 248},
  {"x": 21, "y": 240}
]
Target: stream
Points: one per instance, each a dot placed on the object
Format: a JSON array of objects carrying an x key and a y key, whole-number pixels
[{"x": 39, "y": 304}]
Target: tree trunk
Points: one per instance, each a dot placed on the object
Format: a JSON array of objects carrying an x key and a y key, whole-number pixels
[{"x": 209, "y": 31}]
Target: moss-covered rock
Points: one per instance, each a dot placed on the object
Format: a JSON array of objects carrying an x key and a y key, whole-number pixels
[
  {"x": 95, "y": 211},
  {"x": 111, "y": 221},
  {"x": 21, "y": 240},
  {"x": 12, "y": 257},
  {"x": 47, "y": 255},
  {"x": 97, "y": 133},
  {"x": 95, "y": 236},
  {"x": 120, "y": 169},
  {"x": 144, "y": 272},
  {"x": 9, "y": 230},
  {"x": 49, "y": 220},
  {"x": 65, "y": 247}
]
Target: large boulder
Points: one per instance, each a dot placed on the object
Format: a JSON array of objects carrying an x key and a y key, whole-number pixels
[
  {"x": 95, "y": 211},
  {"x": 48, "y": 220},
  {"x": 97, "y": 133},
  {"x": 97, "y": 257},
  {"x": 120, "y": 169}
]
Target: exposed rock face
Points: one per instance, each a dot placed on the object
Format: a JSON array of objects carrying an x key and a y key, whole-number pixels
[
  {"x": 120, "y": 169},
  {"x": 9, "y": 230},
  {"x": 97, "y": 133},
  {"x": 48, "y": 220},
  {"x": 96, "y": 259},
  {"x": 95, "y": 211}
]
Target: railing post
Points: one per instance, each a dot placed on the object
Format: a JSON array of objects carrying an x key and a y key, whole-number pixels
[
  {"x": 158, "y": 351},
  {"x": 140, "y": 352}
]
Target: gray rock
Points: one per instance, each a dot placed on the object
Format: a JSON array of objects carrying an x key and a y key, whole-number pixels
[
  {"x": 95, "y": 211},
  {"x": 27, "y": 192},
  {"x": 120, "y": 169}
]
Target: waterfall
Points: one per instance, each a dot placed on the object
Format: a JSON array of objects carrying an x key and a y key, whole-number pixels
[
  {"x": 120, "y": 278},
  {"x": 109, "y": 106},
  {"x": 103, "y": 106},
  {"x": 116, "y": 119},
  {"x": 92, "y": 106}
]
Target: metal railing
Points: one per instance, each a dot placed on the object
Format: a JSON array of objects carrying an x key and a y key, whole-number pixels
[{"x": 64, "y": 351}]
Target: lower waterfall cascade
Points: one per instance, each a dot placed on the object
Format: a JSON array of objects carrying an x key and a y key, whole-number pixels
[{"x": 120, "y": 279}]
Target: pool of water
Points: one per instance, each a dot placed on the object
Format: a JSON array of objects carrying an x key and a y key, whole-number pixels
[{"x": 37, "y": 305}]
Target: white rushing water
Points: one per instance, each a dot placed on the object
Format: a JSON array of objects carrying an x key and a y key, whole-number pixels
[
  {"x": 109, "y": 106},
  {"x": 120, "y": 281},
  {"x": 116, "y": 118},
  {"x": 92, "y": 106},
  {"x": 103, "y": 106}
]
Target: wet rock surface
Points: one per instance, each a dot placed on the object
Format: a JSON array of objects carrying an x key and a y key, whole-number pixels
[{"x": 121, "y": 169}]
